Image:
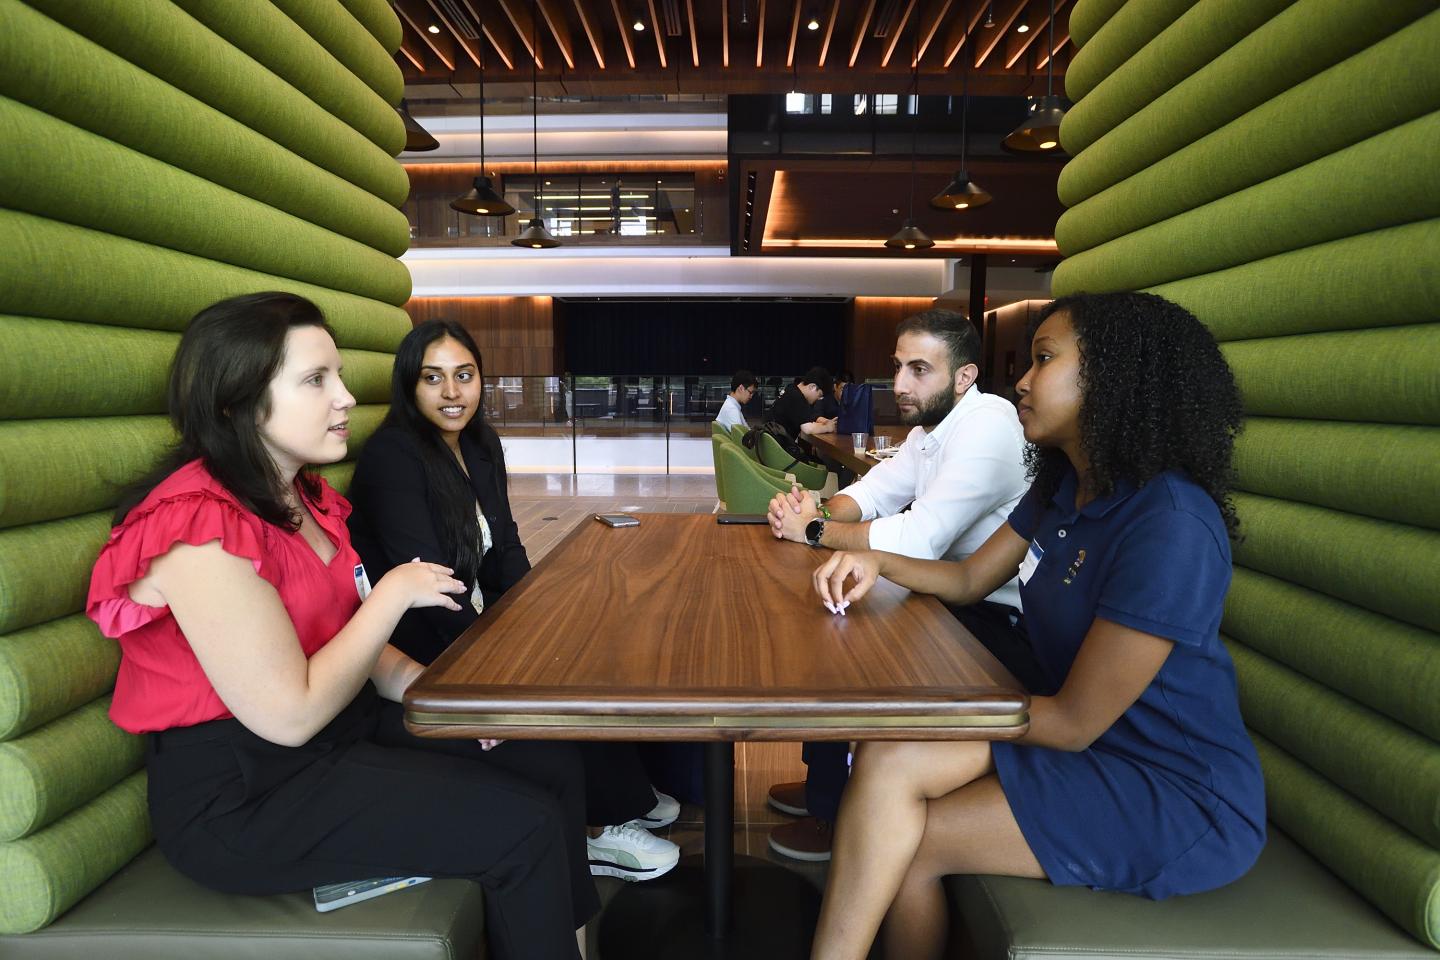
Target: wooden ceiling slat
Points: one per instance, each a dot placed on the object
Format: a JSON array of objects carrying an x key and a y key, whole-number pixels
[
  {"x": 897, "y": 31},
  {"x": 417, "y": 15},
  {"x": 760, "y": 36},
  {"x": 409, "y": 50},
  {"x": 590, "y": 23},
  {"x": 1062, "y": 37},
  {"x": 694, "y": 34},
  {"x": 657, "y": 26},
  {"x": 794, "y": 35},
  {"x": 472, "y": 48},
  {"x": 518, "y": 12},
  {"x": 929, "y": 24},
  {"x": 725, "y": 33},
  {"x": 1006, "y": 13},
  {"x": 498, "y": 38},
  {"x": 559, "y": 29},
  {"x": 961, "y": 27},
  {"x": 829, "y": 30},
  {"x": 1039, "y": 20},
  {"x": 861, "y": 26},
  {"x": 623, "y": 25}
]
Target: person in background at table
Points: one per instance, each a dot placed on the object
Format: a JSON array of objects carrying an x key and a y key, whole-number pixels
[
  {"x": 829, "y": 405},
  {"x": 742, "y": 387},
  {"x": 254, "y": 655},
  {"x": 795, "y": 408},
  {"x": 1136, "y": 774},
  {"x": 431, "y": 483},
  {"x": 962, "y": 466}
]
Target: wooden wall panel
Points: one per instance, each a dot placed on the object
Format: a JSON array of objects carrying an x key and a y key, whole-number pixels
[
  {"x": 516, "y": 335},
  {"x": 870, "y": 332}
]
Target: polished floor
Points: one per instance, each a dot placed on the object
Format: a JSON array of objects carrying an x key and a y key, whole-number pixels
[{"x": 549, "y": 506}]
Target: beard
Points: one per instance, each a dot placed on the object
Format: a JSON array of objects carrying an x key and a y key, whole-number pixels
[{"x": 929, "y": 412}]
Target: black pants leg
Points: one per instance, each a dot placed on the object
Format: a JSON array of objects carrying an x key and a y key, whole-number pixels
[
  {"x": 991, "y": 623},
  {"x": 617, "y": 788}
]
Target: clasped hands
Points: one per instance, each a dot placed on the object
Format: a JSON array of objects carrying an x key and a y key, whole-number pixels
[{"x": 789, "y": 514}]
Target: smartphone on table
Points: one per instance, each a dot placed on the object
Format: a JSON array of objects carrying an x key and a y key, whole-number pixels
[{"x": 618, "y": 519}]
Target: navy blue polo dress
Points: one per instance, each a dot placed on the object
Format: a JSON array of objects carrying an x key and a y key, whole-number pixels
[{"x": 1170, "y": 799}]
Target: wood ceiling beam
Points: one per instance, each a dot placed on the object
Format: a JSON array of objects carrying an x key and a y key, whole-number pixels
[
  {"x": 694, "y": 34},
  {"x": 1062, "y": 37},
  {"x": 624, "y": 32},
  {"x": 411, "y": 46},
  {"x": 794, "y": 35},
  {"x": 657, "y": 27},
  {"x": 590, "y": 23},
  {"x": 929, "y": 24},
  {"x": 471, "y": 47},
  {"x": 417, "y": 14},
  {"x": 1006, "y": 13},
  {"x": 897, "y": 30},
  {"x": 760, "y": 36},
  {"x": 498, "y": 38},
  {"x": 559, "y": 29},
  {"x": 1039, "y": 21},
  {"x": 960, "y": 29},
  {"x": 861, "y": 25},
  {"x": 829, "y": 30},
  {"x": 518, "y": 12},
  {"x": 725, "y": 33}
]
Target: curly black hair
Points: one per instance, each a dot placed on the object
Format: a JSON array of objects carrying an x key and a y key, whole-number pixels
[{"x": 1156, "y": 395}]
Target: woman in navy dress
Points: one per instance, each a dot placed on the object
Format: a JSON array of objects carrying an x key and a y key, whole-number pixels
[{"x": 1136, "y": 774}]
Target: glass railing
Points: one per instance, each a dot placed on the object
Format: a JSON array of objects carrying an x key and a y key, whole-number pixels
[{"x": 626, "y": 424}]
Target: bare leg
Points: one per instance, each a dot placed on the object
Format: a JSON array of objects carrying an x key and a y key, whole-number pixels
[
  {"x": 880, "y": 828},
  {"x": 971, "y": 830}
]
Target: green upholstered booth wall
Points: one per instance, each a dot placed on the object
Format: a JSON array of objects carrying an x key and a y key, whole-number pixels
[
  {"x": 1271, "y": 166},
  {"x": 159, "y": 156}
]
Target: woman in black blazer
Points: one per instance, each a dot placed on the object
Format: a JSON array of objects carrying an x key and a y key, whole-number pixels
[{"x": 431, "y": 484}]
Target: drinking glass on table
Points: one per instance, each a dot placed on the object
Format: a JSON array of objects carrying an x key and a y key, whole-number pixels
[
  {"x": 858, "y": 440},
  {"x": 882, "y": 443}
]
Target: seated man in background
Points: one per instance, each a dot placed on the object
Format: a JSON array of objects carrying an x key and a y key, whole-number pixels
[
  {"x": 831, "y": 403},
  {"x": 962, "y": 470},
  {"x": 795, "y": 409},
  {"x": 742, "y": 387}
]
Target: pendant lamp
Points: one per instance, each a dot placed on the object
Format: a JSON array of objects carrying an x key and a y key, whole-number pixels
[
  {"x": 911, "y": 237},
  {"x": 482, "y": 200},
  {"x": 961, "y": 193},
  {"x": 417, "y": 138},
  {"x": 1040, "y": 130},
  {"x": 535, "y": 236}
]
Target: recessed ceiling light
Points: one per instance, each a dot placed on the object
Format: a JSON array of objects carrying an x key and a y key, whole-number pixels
[
  {"x": 639, "y": 25},
  {"x": 812, "y": 24},
  {"x": 1023, "y": 28},
  {"x": 433, "y": 29}
]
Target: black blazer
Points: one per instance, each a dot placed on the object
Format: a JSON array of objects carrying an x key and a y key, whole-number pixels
[{"x": 395, "y": 520}]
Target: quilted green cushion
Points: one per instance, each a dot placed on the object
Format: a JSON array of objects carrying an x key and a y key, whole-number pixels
[
  {"x": 50, "y": 669},
  {"x": 1126, "y": 32},
  {"x": 350, "y": 43}
]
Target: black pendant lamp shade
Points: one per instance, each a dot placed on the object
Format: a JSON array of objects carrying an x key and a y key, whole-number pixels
[
  {"x": 960, "y": 193},
  {"x": 417, "y": 138},
  {"x": 1039, "y": 132},
  {"x": 535, "y": 236},
  {"x": 910, "y": 237},
  {"x": 482, "y": 201}
]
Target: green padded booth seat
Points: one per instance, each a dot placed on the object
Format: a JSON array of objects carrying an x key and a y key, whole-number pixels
[
  {"x": 1288, "y": 906},
  {"x": 148, "y": 911}
]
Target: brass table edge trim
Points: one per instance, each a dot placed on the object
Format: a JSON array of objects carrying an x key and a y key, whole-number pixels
[{"x": 700, "y": 722}]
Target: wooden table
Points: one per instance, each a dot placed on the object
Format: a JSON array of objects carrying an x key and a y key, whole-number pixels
[
  {"x": 841, "y": 448},
  {"x": 684, "y": 629}
]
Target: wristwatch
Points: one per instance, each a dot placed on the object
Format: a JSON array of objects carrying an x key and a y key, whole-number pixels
[{"x": 814, "y": 530}]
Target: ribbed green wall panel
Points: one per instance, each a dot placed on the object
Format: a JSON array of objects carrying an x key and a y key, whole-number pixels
[
  {"x": 135, "y": 365},
  {"x": 1087, "y": 18},
  {"x": 1297, "y": 209},
  {"x": 349, "y": 42},
  {"x": 168, "y": 207},
  {"x": 1334, "y": 376},
  {"x": 51, "y": 669},
  {"x": 1299, "y": 42},
  {"x": 273, "y": 40},
  {"x": 168, "y": 43},
  {"x": 1382, "y": 279},
  {"x": 338, "y": 475},
  {"x": 1122, "y": 36},
  {"x": 49, "y": 871},
  {"x": 1357, "y": 97},
  {"x": 66, "y": 272},
  {"x": 71, "y": 78},
  {"x": 1387, "y": 472},
  {"x": 60, "y": 468},
  {"x": 49, "y": 772},
  {"x": 377, "y": 17},
  {"x": 1390, "y": 767},
  {"x": 45, "y": 568},
  {"x": 1356, "y": 652},
  {"x": 1389, "y": 568},
  {"x": 1397, "y": 871}
]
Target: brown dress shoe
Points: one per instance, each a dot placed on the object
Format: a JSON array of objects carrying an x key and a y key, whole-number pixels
[
  {"x": 789, "y": 798},
  {"x": 805, "y": 839}
]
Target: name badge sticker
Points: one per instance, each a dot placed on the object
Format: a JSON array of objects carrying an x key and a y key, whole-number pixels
[
  {"x": 1032, "y": 560},
  {"x": 362, "y": 581}
]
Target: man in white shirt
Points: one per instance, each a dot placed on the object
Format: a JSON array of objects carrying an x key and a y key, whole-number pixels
[
  {"x": 962, "y": 470},
  {"x": 742, "y": 387}
]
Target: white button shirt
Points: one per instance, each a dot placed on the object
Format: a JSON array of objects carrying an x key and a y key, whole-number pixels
[
  {"x": 964, "y": 476},
  {"x": 730, "y": 414}
]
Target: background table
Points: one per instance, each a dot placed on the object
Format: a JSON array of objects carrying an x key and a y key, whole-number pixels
[
  {"x": 684, "y": 629},
  {"x": 840, "y": 448}
]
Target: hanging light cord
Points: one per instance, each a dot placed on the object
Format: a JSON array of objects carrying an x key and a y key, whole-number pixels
[
  {"x": 964, "y": 111},
  {"x": 1050, "y": 55},
  {"x": 482, "y": 121},
  {"x": 535, "y": 103},
  {"x": 915, "y": 121}
]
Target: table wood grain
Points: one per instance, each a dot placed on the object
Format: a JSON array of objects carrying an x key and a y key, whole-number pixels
[{"x": 685, "y": 629}]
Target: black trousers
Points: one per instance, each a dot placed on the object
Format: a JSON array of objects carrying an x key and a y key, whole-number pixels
[
  {"x": 617, "y": 788},
  {"x": 364, "y": 799}
]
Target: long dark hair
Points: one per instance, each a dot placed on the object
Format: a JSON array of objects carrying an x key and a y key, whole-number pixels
[
  {"x": 219, "y": 394},
  {"x": 1156, "y": 395},
  {"x": 450, "y": 490}
]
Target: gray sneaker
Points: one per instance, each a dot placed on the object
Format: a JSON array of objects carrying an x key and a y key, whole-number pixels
[
  {"x": 630, "y": 853},
  {"x": 666, "y": 809}
]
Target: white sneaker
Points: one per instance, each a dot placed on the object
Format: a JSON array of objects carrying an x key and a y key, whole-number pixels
[
  {"x": 631, "y": 853},
  {"x": 667, "y": 808}
]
